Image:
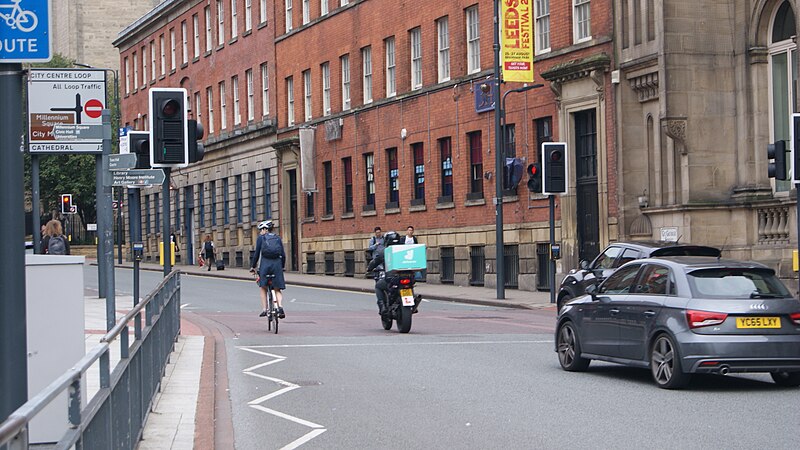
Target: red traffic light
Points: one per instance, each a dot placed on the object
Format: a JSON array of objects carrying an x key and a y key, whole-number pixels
[
  {"x": 170, "y": 107},
  {"x": 533, "y": 169}
]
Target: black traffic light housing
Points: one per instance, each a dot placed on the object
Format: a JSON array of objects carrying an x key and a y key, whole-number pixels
[
  {"x": 554, "y": 167},
  {"x": 777, "y": 152},
  {"x": 139, "y": 142},
  {"x": 196, "y": 149},
  {"x": 169, "y": 144},
  {"x": 66, "y": 204},
  {"x": 535, "y": 178}
]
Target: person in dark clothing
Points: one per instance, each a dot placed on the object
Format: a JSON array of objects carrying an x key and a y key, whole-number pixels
[
  {"x": 272, "y": 263},
  {"x": 208, "y": 251},
  {"x": 53, "y": 231}
]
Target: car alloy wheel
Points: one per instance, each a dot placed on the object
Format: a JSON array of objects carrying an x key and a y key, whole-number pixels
[
  {"x": 569, "y": 349},
  {"x": 665, "y": 364}
]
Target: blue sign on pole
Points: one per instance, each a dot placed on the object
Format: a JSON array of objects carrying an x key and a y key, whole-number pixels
[
  {"x": 484, "y": 95},
  {"x": 25, "y": 31}
]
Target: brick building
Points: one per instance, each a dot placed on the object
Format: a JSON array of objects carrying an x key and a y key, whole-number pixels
[{"x": 387, "y": 113}]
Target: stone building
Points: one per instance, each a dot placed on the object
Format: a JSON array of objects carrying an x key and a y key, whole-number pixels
[
  {"x": 332, "y": 133},
  {"x": 699, "y": 98},
  {"x": 83, "y": 30}
]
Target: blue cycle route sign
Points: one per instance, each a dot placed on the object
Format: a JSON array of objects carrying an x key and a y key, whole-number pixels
[{"x": 25, "y": 31}]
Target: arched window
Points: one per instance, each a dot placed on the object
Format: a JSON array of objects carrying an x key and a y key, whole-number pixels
[{"x": 783, "y": 77}]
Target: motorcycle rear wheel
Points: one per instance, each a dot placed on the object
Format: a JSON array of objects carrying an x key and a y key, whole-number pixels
[{"x": 404, "y": 319}]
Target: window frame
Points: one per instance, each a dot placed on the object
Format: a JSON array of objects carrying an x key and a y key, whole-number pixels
[
  {"x": 579, "y": 6},
  {"x": 290, "y": 101},
  {"x": 542, "y": 24},
  {"x": 344, "y": 62},
  {"x": 234, "y": 20},
  {"x": 327, "y": 170},
  {"x": 415, "y": 45},
  {"x": 418, "y": 172},
  {"x": 445, "y": 145},
  {"x": 326, "y": 88},
  {"x": 366, "y": 65},
  {"x": 223, "y": 106},
  {"x": 307, "y": 112},
  {"x": 173, "y": 57},
  {"x": 264, "y": 90},
  {"x": 443, "y": 49},
  {"x": 251, "y": 106},
  {"x": 473, "y": 39},
  {"x": 288, "y": 12},
  {"x": 347, "y": 179},
  {"x": 391, "y": 66},
  {"x": 220, "y": 24},
  {"x": 210, "y": 101},
  {"x": 196, "y": 24},
  {"x": 237, "y": 113},
  {"x": 369, "y": 179}
]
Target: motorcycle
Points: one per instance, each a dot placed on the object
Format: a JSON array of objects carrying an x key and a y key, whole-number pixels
[{"x": 401, "y": 301}]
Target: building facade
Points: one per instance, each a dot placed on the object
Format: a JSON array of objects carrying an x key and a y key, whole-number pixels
[
  {"x": 332, "y": 133},
  {"x": 83, "y": 30},
  {"x": 699, "y": 98}
]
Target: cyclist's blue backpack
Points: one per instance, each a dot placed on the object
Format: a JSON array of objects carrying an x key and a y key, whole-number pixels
[{"x": 272, "y": 247}]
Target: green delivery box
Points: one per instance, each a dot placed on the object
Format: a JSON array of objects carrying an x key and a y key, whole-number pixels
[{"x": 406, "y": 257}]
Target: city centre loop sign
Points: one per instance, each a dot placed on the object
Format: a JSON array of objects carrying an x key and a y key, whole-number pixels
[
  {"x": 65, "y": 110},
  {"x": 25, "y": 31}
]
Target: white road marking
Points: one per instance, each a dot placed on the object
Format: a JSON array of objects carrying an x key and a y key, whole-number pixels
[
  {"x": 185, "y": 305},
  {"x": 394, "y": 344},
  {"x": 311, "y": 435},
  {"x": 288, "y": 386}
]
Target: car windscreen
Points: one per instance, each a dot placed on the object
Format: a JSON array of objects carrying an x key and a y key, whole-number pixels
[
  {"x": 736, "y": 283},
  {"x": 686, "y": 250}
]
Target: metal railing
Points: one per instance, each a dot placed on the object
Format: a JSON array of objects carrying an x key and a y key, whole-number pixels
[
  {"x": 114, "y": 416},
  {"x": 477, "y": 270},
  {"x": 447, "y": 264},
  {"x": 349, "y": 264},
  {"x": 511, "y": 266}
]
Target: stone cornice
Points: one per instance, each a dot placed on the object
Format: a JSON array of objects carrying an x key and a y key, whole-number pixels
[{"x": 590, "y": 67}]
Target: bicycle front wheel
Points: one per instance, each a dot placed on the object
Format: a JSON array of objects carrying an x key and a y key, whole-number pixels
[{"x": 26, "y": 21}]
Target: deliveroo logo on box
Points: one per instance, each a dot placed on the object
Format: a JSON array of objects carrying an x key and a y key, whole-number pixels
[{"x": 409, "y": 255}]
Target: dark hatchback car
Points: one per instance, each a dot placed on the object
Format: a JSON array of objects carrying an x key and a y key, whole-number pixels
[
  {"x": 617, "y": 254},
  {"x": 683, "y": 315}
]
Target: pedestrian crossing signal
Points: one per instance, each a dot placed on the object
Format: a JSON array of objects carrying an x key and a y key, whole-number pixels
[{"x": 66, "y": 204}]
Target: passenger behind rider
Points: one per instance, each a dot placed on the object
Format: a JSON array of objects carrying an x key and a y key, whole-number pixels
[{"x": 270, "y": 265}]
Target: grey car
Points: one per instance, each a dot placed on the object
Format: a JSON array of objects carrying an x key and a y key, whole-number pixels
[
  {"x": 617, "y": 254},
  {"x": 683, "y": 315}
]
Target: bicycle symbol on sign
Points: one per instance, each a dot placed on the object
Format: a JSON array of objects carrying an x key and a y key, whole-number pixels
[{"x": 18, "y": 18}]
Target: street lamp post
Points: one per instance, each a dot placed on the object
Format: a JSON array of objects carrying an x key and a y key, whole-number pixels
[{"x": 498, "y": 164}]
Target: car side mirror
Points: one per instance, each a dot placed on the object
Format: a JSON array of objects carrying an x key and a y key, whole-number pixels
[
  {"x": 584, "y": 264},
  {"x": 592, "y": 290}
]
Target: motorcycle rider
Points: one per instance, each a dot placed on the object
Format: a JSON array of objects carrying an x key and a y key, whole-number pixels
[{"x": 376, "y": 266}]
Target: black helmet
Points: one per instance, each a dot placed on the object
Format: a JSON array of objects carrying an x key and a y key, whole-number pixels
[{"x": 391, "y": 238}]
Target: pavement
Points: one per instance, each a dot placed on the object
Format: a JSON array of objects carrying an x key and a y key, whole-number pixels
[{"x": 179, "y": 419}]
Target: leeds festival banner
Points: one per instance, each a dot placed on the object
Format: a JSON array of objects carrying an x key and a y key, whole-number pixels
[{"x": 516, "y": 40}]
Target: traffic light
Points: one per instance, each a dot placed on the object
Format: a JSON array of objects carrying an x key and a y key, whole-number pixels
[
  {"x": 196, "y": 149},
  {"x": 66, "y": 203},
  {"x": 140, "y": 145},
  {"x": 554, "y": 170},
  {"x": 777, "y": 151},
  {"x": 535, "y": 178},
  {"x": 169, "y": 145}
]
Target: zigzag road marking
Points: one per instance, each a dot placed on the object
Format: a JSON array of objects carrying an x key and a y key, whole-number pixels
[{"x": 316, "y": 429}]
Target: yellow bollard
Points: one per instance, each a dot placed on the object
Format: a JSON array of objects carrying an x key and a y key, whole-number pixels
[
  {"x": 161, "y": 254},
  {"x": 794, "y": 261}
]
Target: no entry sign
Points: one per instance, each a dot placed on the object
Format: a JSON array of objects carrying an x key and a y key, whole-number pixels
[{"x": 65, "y": 108}]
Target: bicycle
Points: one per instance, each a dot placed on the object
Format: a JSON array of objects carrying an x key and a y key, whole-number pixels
[
  {"x": 18, "y": 18},
  {"x": 272, "y": 307}
]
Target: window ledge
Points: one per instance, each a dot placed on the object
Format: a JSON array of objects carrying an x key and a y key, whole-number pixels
[
  {"x": 172, "y": 71},
  {"x": 327, "y": 217},
  {"x": 348, "y": 215},
  {"x": 417, "y": 208},
  {"x": 262, "y": 25},
  {"x": 369, "y": 213},
  {"x": 446, "y": 205},
  {"x": 195, "y": 59},
  {"x": 510, "y": 198},
  {"x": 308, "y": 220},
  {"x": 233, "y": 40},
  {"x": 476, "y": 202},
  {"x": 392, "y": 211},
  {"x": 247, "y": 32}
]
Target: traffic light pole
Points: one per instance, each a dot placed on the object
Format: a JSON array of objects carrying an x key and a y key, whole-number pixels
[
  {"x": 552, "y": 263},
  {"x": 165, "y": 231},
  {"x": 498, "y": 160},
  {"x": 35, "y": 215},
  {"x": 13, "y": 333}
]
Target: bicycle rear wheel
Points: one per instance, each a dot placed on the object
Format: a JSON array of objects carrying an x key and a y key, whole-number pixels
[{"x": 269, "y": 309}]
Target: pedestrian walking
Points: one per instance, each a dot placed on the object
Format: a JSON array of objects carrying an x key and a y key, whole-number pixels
[
  {"x": 208, "y": 251},
  {"x": 54, "y": 242}
]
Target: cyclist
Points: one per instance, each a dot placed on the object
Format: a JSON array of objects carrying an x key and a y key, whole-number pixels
[{"x": 269, "y": 248}]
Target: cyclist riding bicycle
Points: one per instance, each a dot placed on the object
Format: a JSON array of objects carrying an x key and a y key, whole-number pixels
[{"x": 269, "y": 247}]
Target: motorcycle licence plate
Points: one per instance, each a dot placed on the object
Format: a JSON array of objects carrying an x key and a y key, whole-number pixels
[{"x": 407, "y": 296}]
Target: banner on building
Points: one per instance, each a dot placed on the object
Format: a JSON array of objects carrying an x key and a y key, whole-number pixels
[
  {"x": 308, "y": 180},
  {"x": 516, "y": 40}
]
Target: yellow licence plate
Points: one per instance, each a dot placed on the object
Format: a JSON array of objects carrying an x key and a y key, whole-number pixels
[
  {"x": 758, "y": 322},
  {"x": 406, "y": 293}
]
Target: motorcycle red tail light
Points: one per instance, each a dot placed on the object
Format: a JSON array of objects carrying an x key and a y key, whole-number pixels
[
  {"x": 795, "y": 318},
  {"x": 698, "y": 319},
  {"x": 405, "y": 281}
]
